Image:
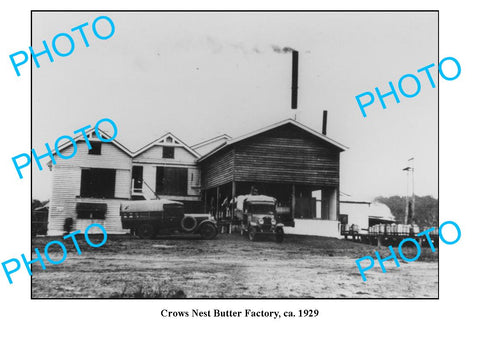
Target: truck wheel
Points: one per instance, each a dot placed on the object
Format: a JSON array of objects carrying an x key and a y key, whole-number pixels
[
  {"x": 188, "y": 223},
  {"x": 208, "y": 231},
  {"x": 252, "y": 234},
  {"x": 279, "y": 235},
  {"x": 145, "y": 231}
]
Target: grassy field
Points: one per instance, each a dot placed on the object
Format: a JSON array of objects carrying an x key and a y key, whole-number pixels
[{"x": 230, "y": 266}]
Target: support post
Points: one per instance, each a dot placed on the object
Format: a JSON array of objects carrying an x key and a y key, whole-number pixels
[
  {"x": 234, "y": 193},
  {"x": 205, "y": 210},
  {"x": 337, "y": 204},
  {"x": 332, "y": 205},
  {"x": 232, "y": 207},
  {"x": 216, "y": 210},
  {"x": 293, "y": 201}
]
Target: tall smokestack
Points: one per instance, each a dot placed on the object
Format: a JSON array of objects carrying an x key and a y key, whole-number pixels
[
  {"x": 324, "y": 125},
  {"x": 294, "y": 78}
]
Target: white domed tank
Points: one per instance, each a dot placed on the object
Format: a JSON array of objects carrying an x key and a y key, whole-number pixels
[{"x": 381, "y": 211}]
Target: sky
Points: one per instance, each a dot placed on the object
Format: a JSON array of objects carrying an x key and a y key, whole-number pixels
[{"x": 199, "y": 75}]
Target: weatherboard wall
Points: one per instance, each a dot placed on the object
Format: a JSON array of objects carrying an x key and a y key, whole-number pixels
[
  {"x": 286, "y": 154},
  {"x": 66, "y": 182},
  {"x": 218, "y": 168}
]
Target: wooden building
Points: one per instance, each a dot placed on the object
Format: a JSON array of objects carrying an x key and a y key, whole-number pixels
[
  {"x": 287, "y": 160},
  {"x": 90, "y": 187},
  {"x": 167, "y": 168}
]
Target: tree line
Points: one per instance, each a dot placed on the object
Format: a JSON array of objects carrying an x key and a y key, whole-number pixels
[{"x": 425, "y": 214}]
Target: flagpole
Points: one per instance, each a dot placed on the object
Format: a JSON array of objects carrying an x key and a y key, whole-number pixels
[
  {"x": 406, "y": 200},
  {"x": 413, "y": 188},
  {"x": 412, "y": 212}
]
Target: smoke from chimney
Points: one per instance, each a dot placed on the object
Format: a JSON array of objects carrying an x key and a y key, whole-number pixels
[{"x": 278, "y": 49}]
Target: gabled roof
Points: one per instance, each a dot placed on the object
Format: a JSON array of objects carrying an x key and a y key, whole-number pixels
[
  {"x": 211, "y": 140},
  {"x": 92, "y": 136},
  {"x": 271, "y": 127},
  {"x": 346, "y": 198},
  {"x": 167, "y": 139}
]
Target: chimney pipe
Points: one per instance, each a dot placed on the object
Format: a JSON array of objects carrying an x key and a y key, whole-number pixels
[
  {"x": 324, "y": 126},
  {"x": 294, "y": 78}
]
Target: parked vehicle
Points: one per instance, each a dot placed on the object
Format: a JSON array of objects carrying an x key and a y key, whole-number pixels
[
  {"x": 148, "y": 219},
  {"x": 257, "y": 216},
  {"x": 387, "y": 233},
  {"x": 40, "y": 220}
]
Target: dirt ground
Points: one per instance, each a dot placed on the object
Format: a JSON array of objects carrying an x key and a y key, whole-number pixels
[{"x": 229, "y": 266}]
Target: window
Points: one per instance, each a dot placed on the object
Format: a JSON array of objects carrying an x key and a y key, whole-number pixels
[
  {"x": 171, "y": 181},
  {"x": 168, "y": 152},
  {"x": 96, "y": 148},
  {"x": 91, "y": 210},
  {"x": 266, "y": 209},
  {"x": 137, "y": 176},
  {"x": 99, "y": 183}
]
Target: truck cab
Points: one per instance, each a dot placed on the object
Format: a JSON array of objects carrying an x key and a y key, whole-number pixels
[{"x": 258, "y": 217}]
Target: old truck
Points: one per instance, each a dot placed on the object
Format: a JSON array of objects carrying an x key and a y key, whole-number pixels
[
  {"x": 256, "y": 215},
  {"x": 163, "y": 217}
]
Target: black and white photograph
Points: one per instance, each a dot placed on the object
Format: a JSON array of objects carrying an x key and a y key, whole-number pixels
[
  {"x": 239, "y": 169},
  {"x": 235, "y": 155}
]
